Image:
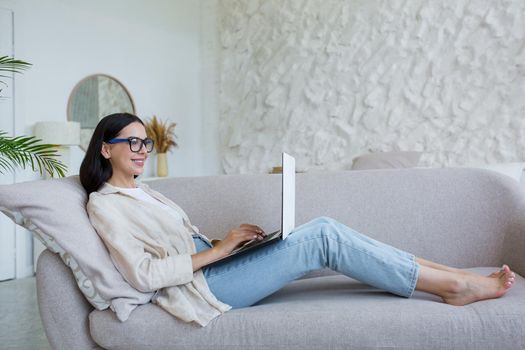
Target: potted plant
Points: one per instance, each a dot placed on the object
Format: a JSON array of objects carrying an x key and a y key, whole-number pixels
[
  {"x": 162, "y": 133},
  {"x": 22, "y": 151}
]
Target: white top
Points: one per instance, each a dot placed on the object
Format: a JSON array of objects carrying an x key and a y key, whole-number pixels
[{"x": 139, "y": 194}]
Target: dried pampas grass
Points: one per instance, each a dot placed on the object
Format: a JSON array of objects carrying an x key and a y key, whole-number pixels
[{"x": 161, "y": 133}]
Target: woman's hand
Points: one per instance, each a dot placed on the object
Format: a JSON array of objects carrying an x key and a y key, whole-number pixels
[
  {"x": 236, "y": 237},
  {"x": 222, "y": 248}
]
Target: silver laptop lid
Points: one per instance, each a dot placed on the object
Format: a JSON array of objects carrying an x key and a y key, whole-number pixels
[{"x": 288, "y": 195}]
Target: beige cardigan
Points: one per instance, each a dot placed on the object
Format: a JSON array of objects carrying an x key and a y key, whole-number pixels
[{"x": 153, "y": 252}]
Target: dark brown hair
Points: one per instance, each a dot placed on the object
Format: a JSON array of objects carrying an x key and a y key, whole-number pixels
[{"x": 95, "y": 169}]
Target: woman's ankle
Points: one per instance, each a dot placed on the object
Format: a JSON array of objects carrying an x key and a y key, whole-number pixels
[{"x": 439, "y": 282}]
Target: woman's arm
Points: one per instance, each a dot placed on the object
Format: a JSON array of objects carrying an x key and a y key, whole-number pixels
[
  {"x": 142, "y": 269},
  {"x": 224, "y": 247},
  {"x": 199, "y": 260}
]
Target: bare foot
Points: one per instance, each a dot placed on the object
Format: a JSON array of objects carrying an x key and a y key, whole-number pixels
[
  {"x": 471, "y": 288},
  {"x": 437, "y": 266},
  {"x": 494, "y": 274},
  {"x": 498, "y": 273}
]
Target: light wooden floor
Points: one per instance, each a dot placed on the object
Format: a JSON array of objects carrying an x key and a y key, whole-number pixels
[{"x": 20, "y": 325}]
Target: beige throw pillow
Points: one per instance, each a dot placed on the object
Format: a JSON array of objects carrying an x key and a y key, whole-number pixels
[
  {"x": 383, "y": 160},
  {"x": 55, "y": 212}
]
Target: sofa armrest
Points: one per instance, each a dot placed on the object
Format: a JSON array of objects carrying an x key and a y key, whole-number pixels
[{"x": 63, "y": 309}]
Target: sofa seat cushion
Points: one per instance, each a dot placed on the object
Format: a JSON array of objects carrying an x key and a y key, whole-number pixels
[{"x": 333, "y": 312}]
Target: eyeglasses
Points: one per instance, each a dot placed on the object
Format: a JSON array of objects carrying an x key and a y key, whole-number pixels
[{"x": 135, "y": 143}]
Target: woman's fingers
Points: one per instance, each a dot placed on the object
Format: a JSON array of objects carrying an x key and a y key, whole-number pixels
[
  {"x": 255, "y": 228},
  {"x": 250, "y": 226},
  {"x": 240, "y": 236},
  {"x": 248, "y": 234}
]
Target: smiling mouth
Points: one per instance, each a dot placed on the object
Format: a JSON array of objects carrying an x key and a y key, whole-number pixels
[{"x": 138, "y": 161}]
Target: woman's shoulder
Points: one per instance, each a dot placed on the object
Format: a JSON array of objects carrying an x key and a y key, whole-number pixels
[
  {"x": 95, "y": 199},
  {"x": 100, "y": 199},
  {"x": 108, "y": 207}
]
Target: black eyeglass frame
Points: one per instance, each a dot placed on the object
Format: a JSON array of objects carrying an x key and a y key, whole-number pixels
[{"x": 149, "y": 146}]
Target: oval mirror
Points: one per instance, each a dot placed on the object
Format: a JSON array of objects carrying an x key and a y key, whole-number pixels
[{"x": 93, "y": 98}]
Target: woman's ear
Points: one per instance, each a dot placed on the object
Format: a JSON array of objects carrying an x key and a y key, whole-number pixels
[{"x": 105, "y": 151}]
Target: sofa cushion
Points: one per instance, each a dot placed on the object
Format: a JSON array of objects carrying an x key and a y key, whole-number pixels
[
  {"x": 331, "y": 311},
  {"x": 55, "y": 212},
  {"x": 439, "y": 221}
]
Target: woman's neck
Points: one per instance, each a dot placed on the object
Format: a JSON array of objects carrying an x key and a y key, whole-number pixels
[{"x": 122, "y": 182}]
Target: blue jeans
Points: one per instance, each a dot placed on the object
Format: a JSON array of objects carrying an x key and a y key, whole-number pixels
[{"x": 322, "y": 242}]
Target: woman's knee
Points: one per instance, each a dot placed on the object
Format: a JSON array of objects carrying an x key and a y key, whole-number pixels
[
  {"x": 320, "y": 226},
  {"x": 324, "y": 220}
]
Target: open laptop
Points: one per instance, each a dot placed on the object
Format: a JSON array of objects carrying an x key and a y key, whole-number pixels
[{"x": 287, "y": 211}]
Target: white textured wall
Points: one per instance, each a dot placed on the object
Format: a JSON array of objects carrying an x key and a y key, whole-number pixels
[{"x": 328, "y": 80}]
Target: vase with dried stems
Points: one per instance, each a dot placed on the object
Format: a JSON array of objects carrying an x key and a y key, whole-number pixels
[{"x": 162, "y": 133}]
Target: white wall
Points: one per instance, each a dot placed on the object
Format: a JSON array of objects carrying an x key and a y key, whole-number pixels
[
  {"x": 327, "y": 80},
  {"x": 210, "y": 85},
  {"x": 152, "y": 47},
  {"x": 7, "y": 227}
]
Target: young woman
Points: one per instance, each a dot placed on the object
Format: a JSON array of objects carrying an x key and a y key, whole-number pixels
[{"x": 156, "y": 249}]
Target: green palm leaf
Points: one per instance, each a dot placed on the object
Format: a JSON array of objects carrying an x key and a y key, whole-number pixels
[
  {"x": 22, "y": 151},
  {"x": 9, "y": 64}
]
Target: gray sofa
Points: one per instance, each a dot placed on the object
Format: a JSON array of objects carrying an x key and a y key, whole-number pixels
[{"x": 462, "y": 217}]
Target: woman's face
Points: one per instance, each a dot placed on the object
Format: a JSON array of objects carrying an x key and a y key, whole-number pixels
[{"x": 124, "y": 162}]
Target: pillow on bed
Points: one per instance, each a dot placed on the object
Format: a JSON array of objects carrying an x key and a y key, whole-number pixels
[
  {"x": 55, "y": 212},
  {"x": 382, "y": 160}
]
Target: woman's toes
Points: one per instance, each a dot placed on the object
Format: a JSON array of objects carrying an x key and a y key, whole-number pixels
[
  {"x": 498, "y": 274},
  {"x": 510, "y": 280}
]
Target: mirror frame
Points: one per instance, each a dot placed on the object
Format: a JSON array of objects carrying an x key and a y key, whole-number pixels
[{"x": 77, "y": 85}]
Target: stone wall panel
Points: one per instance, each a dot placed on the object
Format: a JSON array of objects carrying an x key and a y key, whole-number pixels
[{"x": 327, "y": 80}]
